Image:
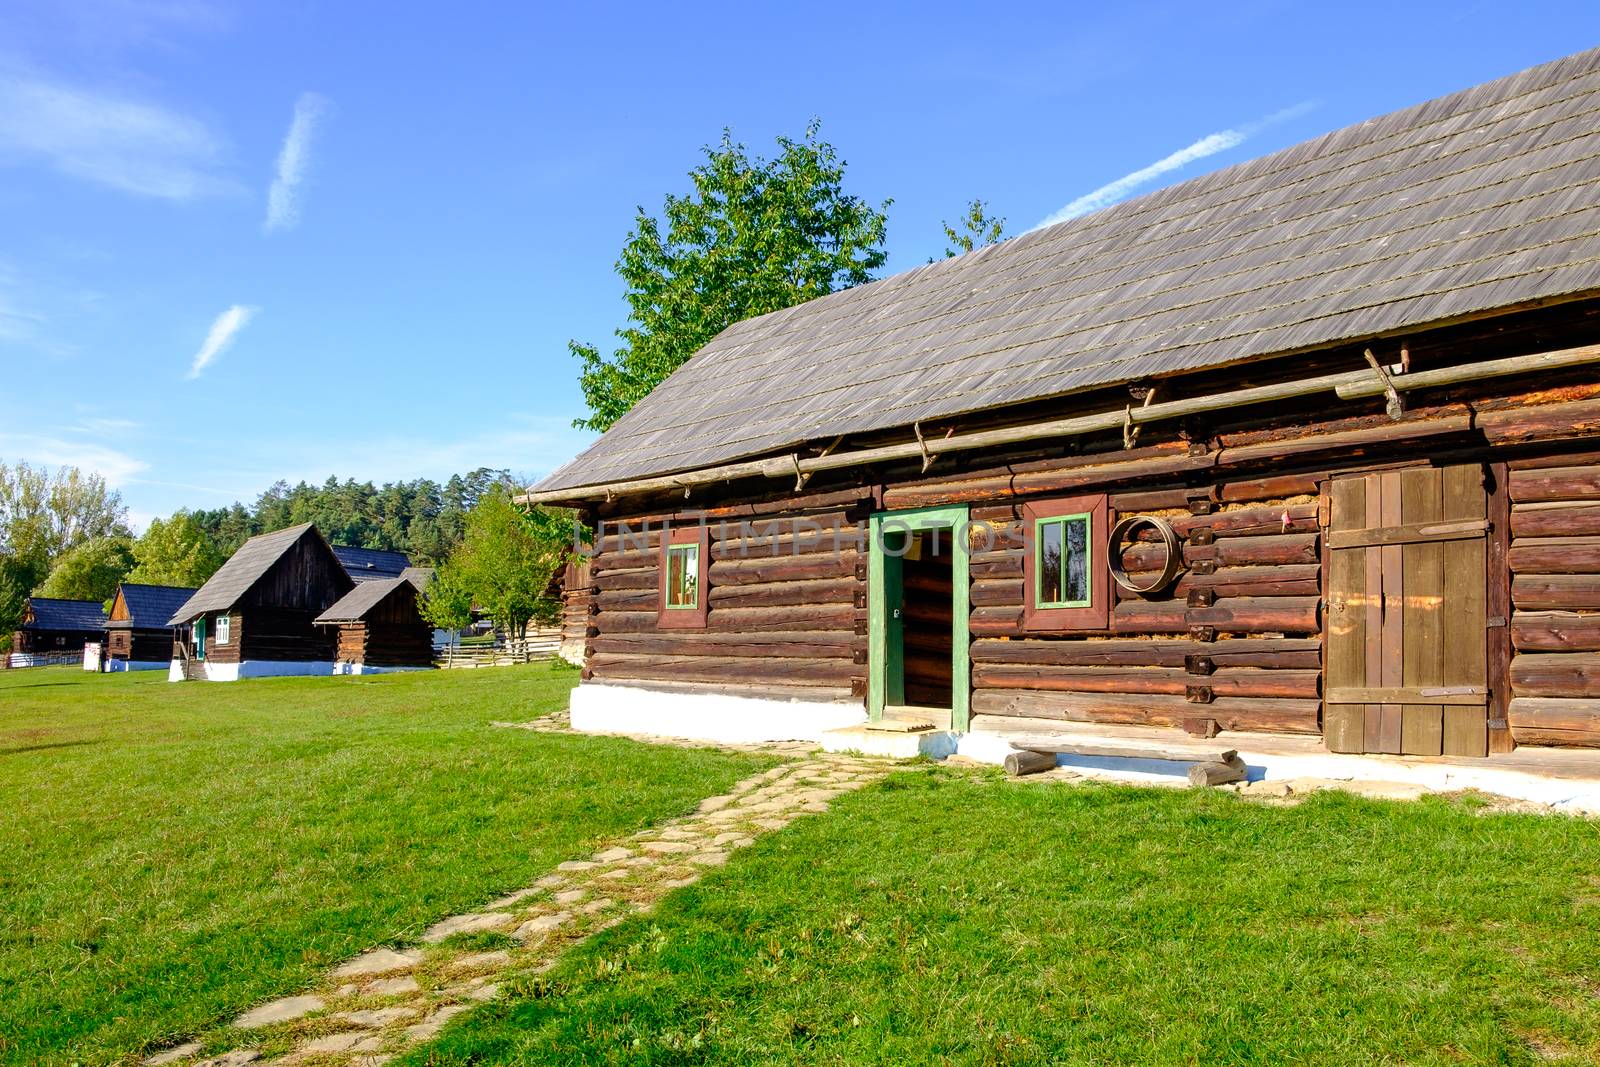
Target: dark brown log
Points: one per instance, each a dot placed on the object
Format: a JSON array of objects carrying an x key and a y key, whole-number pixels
[
  {"x": 769, "y": 594},
  {"x": 1152, "y": 500},
  {"x": 1563, "y": 520},
  {"x": 1294, "y": 579},
  {"x": 995, "y": 622},
  {"x": 1521, "y": 425},
  {"x": 1548, "y": 721},
  {"x": 1228, "y": 615},
  {"x": 1252, "y": 682},
  {"x": 1360, "y": 442},
  {"x": 996, "y": 513},
  {"x": 1555, "y": 555},
  {"x": 1069, "y": 473},
  {"x": 1277, "y": 653},
  {"x": 800, "y": 644},
  {"x": 996, "y": 591},
  {"x": 1273, "y": 487},
  {"x": 1562, "y": 457},
  {"x": 1202, "y": 775},
  {"x": 996, "y": 565},
  {"x": 1572, "y": 674},
  {"x": 1230, "y": 552},
  {"x": 1555, "y": 483},
  {"x": 784, "y": 568},
  {"x": 627, "y": 599},
  {"x": 643, "y": 578},
  {"x": 1245, "y": 522},
  {"x": 1556, "y": 592},
  {"x": 1555, "y": 633},
  {"x": 1234, "y": 713},
  {"x": 1023, "y": 762},
  {"x": 747, "y": 669}
]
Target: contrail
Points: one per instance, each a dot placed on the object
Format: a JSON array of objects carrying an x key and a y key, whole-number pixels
[{"x": 1209, "y": 145}]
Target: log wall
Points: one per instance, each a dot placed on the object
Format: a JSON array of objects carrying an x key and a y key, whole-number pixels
[
  {"x": 1555, "y": 597},
  {"x": 783, "y": 591}
]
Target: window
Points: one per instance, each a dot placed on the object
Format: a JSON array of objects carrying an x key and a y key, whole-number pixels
[
  {"x": 1066, "y": 583},
  {"x": 1062, "y": 570},
  {"x": 683, "y": 577},
  {"x": 224, "y": 627},
  {"x": 684, "y": 592}
]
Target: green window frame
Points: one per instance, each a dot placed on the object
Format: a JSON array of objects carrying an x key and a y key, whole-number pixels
[
  {"x": 683, "y": 577},
  {"x": 1063, "y": 565}
]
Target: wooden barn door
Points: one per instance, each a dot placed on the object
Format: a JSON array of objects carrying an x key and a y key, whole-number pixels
[{"x": 1406, "y": 668}]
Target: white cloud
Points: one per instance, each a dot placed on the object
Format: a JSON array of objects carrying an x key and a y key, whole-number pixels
[
  {"x": 136, "y": 147},
  {"x": 116, "y": 466},
  {"x": 223, "y": 330},
  {"x": 283, "y": 199},
  {"x": 1209, "y": 145}
]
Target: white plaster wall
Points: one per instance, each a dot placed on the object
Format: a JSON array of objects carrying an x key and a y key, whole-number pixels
[
  {"x": 117, "y": 665},
  {"x": 257, "y": 668},
  {"x": 705, "y": 716}
]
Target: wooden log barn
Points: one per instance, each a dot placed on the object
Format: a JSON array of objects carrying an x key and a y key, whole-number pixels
[
  {"x": 379, "y": 625},
  {"x": 55, "y": 630},
  {"x": 138, "y": 636},
  {"x": 1305, "y": 450},
  {"x": 257, "y": 615}
]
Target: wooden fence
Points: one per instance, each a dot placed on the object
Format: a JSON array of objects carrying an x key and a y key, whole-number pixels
[{"x": 539, "y": 644}]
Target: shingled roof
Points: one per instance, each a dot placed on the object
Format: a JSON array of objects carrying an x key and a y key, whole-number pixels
[
  {"x": 242, "y": 570},
  {"x": 150, "y": 606},
  {"x": 369, "y": 564},
  {"x": 354, "y": 605},
  {"x": 1473, "y": 202},
  {"x": 50, "y": 613}
]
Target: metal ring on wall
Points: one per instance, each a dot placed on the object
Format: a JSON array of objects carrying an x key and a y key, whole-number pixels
[{"x": 1169, "y": 540}]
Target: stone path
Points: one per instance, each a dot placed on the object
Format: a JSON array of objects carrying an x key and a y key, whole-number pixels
[{"x": 372, "y": 1007}]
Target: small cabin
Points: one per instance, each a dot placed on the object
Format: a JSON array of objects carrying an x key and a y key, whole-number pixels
[
  {"x": 371, "y": 564},
  {"x": 55, "y": 630},
  {"x": 1305, "y": 453},
  {"x": 379, "y": 626},
  {"x": 257, "y": 615},
  {"x": 138, "y": 636}
]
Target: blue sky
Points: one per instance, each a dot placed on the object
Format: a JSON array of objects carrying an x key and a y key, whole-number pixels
[{"x": 374, "y": 226}]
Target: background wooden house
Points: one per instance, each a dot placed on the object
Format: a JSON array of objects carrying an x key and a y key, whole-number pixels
[
  {"x": 55, "y": 630},
  {"x": 257, "y": 615},
  {"x": 1305, "y": 450},
  {"x": 138, "y": 636},
  {"x": 380, "y": 627}
]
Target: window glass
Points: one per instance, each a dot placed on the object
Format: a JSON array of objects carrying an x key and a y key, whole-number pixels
[
  {"x": 1063, "y": 562},
  {"x": 683, "y": 576}
]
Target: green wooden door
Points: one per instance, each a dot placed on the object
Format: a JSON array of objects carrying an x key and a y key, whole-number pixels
[
  {"x": 200, "y": 638},
  {"x": 885, "y": 631}
]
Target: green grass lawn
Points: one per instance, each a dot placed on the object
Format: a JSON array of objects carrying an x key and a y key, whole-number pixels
[
  {"x": 172, "y": 854},
  {"x": 944, "y": 919}
]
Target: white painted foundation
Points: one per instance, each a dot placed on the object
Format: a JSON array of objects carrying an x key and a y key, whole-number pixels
[
  {"x": 626, "y": 709},
  {"x": 258, "y": 668},
  {"x": 116, "y": 666}
]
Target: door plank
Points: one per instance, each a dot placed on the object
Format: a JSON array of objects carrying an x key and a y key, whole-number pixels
[
  {"x": 1466, "y": 730},
  {"x": 1393, "y": 642},
  {"x": 1343, "y": 724},
  {"x": 1422, "y": 569}
]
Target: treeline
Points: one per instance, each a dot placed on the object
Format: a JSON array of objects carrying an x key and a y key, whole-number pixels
[
  {"x": 422, "y": 518},
  {"x": 65, "y": 534}
]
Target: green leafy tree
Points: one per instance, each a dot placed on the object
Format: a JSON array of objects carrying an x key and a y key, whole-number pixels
[
  {"x": 508, "y": 559},
  {"x": 753, "y": 236},
  {"x": 90, "y": 570},
  {"x": 447, "y": 602},
  {"x": 978, "y": 228},
  {"x": 175, "y": 551},
  {"x": 43, "y": 515}
]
